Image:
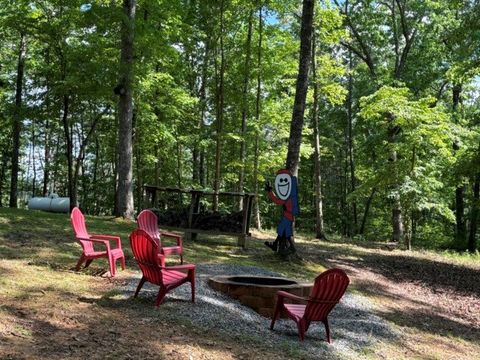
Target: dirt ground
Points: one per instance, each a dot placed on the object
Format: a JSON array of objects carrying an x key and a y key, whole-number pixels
[
  {"x": 51, "y": 324},
  {"x": 433, "y": 301}
]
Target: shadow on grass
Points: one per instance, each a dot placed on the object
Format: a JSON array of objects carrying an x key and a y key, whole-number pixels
[
  {"x": 440, "y": 278},
  {"x": 80, "y": 336},
  {"x": 112, "y": 327},
  {"x": 434, "y": 323},
  {"x": 436, "y": 275}
]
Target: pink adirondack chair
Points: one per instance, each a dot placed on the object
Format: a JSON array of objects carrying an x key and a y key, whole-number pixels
[
  {"x": 88, "y": 240},
  {"x": 327, "y": 291},
  {"x": 148, "y": 222},
  {"x": 152, "y": 264}
]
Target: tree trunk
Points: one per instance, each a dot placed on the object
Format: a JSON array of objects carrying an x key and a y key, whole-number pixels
[
  {"x": 397, "y": 221},
  {"x": 55, "y": 169},
  {"x": 139, "y": 187},
  {"x": 366, "y": 211},
  {"x": 407, "y": 231},
  {"x": 461, "y": 227},
  {"x": 220, "y": 106},
  {"x": 17, "y": 121},
  {"x": 157, "y": 166},
  {"x": 96, "y": 162},
  {"x": 397, "y": 218},
  {"x": 114, "y": 164},
  {"x": 72, "y": 194},
  {"x": 296, "y": 125},
  {"x": 295, "y": 140},
  {"x": 179, "y": 162},
  {"x": 246, "y": 77},
  {"x": 34, "y": 163},
  {"x": 342, "y": 174},
  {"x": 198, "y": 151},
  {"x": 46, "y": 147},
  {"x": 125, "y": 207},
  {"x": 3, "y": 170},
  {"x": 319, "y": 228},
  {"x": 472, "y": 238},
  {"x": 83, "y": 142},
  {"x": 258, "y": 220},
  {"x": 350, "y": 143},
  {"x": 46, "y": 167}
]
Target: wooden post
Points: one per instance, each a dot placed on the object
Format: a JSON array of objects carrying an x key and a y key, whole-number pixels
[
  {"x": 151, "y": 195},
  {"x": 194, "y": 203},
  {"x": 154, "y": 198},
  {"x": 242, "y": 239},
  {"x": 249, "y": 212}
]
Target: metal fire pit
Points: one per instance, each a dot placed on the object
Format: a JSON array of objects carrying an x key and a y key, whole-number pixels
[{"x": 258, "y": 292}]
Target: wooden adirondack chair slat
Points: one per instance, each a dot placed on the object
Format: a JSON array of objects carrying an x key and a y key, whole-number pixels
[
  {"x": 327, "y": 291},
  {"x": 145, "y": 250},
  {"x": 148, "y": 222},
  {"x": 87, "y": 241}
]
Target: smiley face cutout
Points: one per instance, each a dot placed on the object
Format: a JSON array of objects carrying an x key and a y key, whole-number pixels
[{"x": 283, "y": 185}]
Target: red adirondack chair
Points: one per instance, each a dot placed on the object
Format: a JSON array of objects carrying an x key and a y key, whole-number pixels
[
  {"x": 152, "y": 264},
  {"x": 327, "y": 290},
  {"x": 88, "y": 240},
  {"x": 148, "y": 222}
]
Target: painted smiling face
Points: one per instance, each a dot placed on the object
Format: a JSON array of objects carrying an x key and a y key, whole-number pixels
[{"x": 283, "y": 186}]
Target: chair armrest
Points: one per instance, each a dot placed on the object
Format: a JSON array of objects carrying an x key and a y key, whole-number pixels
[
  {"x": 104, "y": 242},
  {"x": 108, "y": 237},
  {"x": 161, "y": 259},
  {"x": 284, "y": 294},
  {"x": 178, "y": 237},
  {"x": 181, "y": 267}
]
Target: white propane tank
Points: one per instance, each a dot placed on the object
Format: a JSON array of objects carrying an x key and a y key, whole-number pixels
[
  {"x": 52, "y": 203},
  {"x": 39, "y": 203},
  {"x": 60, "y": 204}
]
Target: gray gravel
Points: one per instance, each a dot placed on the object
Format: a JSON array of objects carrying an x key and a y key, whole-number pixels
[{"x": 354, "y": 327}]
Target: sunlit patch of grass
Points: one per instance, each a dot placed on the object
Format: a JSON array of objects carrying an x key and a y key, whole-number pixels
[
  {"x": 30, "y": 281},
  {"x": 20, "y": 330},
  {"x": 114, "y": 294},
  {"x": 463, "y": 257}
]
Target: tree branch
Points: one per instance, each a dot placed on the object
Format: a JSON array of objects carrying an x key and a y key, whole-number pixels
[{"x": 365, "y": 55}]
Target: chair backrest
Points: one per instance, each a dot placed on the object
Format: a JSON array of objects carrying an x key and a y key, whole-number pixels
[
  {"x": 327, "y": 291},
  {"x": 145, "y": 251},
  {"x": 148, "y": 222},
  {"x": 80, "y": 229}
]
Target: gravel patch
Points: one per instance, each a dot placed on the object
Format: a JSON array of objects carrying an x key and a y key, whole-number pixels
[{"x": 353, "y": 325}]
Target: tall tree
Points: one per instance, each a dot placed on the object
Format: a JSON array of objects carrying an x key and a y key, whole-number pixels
[
  {"x": 351, "y": 162},
  {"x": 258, "y": 221},
  {"x": 296, "y": 126},
  {"x": 124, "y": 203},
  {"x": 461, "y": 226},
  {"x": 319, "y": 226},
  {"x": 220, "y": 108},
  {"x": 246, "y": 78},
  {"x": 17, "y": 120}
]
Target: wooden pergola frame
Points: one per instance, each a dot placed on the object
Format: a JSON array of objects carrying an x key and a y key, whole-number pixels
[{"x": 151, "y": 194}]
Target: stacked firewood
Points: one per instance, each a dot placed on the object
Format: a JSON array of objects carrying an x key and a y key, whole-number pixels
[{"x": 205, "y": 220}]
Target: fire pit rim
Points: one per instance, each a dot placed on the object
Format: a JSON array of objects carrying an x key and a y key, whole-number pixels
[
  {"x": 259, "y": 297},
  {"x": 226, "y": 279}
]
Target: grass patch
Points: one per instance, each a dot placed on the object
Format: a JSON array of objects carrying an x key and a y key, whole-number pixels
[{"x": 43, "y": 298}]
